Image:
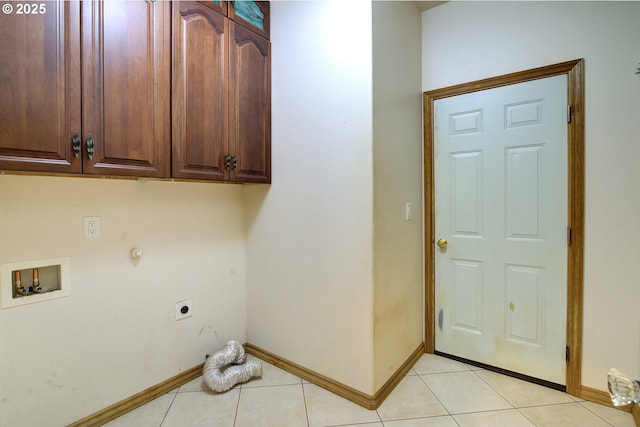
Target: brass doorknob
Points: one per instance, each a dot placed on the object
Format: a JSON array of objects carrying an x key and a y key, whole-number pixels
[{"x": 442, "y": 243}]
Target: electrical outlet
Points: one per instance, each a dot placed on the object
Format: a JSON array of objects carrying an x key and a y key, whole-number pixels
[
  {"x": 184, "y": 309},
  {"x": 91, "y": 227}
]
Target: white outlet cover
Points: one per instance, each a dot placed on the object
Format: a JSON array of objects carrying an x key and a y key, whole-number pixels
[
  {"x": 188, "y": 311},
  {"x": 91, "y": 227}
]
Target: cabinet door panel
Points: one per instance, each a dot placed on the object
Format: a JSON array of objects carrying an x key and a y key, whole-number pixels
[
  {"x": 250, "y": 105},
  {"x": 200, "y": 111},
  {"x": 126, "y": 87},
  {"x": 40, "y": 89}
]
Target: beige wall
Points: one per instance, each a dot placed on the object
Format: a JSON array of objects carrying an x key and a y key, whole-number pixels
[
  {"x": 309, "y": 236},
  {"x": 116, "y": 335},
  {"x": 397, "y": 179},
  {"x": 466, "y": 41},
  {"x": 334, "y": 270}
]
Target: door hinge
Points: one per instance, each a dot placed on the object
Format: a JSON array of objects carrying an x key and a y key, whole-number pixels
[
  {"x": 567, "y": 354},
  {"x": 569, "y": 113},
  {"x": 569, "y": 236}
]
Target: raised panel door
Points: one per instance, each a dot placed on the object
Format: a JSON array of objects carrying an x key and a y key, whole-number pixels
[
  {"x": 199, "y": 84},
  {"x": 126, "y": 88},
  {"x": 501, "y": 197},
  {"x": 250, "y": 105},
  {"x": 40, "y": 89}
]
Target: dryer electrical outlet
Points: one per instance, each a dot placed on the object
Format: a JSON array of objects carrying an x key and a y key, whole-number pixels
[{"x": 184, "y": 309}]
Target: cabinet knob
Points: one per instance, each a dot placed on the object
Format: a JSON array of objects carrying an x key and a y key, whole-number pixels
[
  {"x": 75, "y": 144},
  {"x": 90, "y": 147},
  {"x": 235, "y": 162}
]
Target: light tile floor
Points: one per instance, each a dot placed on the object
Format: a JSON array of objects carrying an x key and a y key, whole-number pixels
[{"x": 437, "y": 392}]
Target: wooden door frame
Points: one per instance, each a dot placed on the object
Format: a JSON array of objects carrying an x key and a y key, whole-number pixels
[{"x": 575, "y": 248}]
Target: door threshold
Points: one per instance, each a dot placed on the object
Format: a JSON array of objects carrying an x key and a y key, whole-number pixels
[{"x": 545, "y": 383}]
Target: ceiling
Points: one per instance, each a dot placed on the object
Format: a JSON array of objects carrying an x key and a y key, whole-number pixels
[{"x": 424, "y": 5}]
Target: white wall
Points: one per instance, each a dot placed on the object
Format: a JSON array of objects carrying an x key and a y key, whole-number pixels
[
  {"x": 116, "y": 335},
  {"x": 397, "y": 167},
  {"x": 309, "y": 236},
  {"x": 467, "y": 41}
]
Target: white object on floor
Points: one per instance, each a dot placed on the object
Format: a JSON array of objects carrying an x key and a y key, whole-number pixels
[{"x": 220, "y": 379}]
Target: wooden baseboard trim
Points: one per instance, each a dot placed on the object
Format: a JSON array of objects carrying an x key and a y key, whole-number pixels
[
  {"x": 320, "y": 380},
  {"x": 370, "y": 402},
  {"x": 365, "y": 400},
  {"x": 395, "y": 379},
  {"x": 118, "y": 409},
  {"x": 601, "y": 397}
]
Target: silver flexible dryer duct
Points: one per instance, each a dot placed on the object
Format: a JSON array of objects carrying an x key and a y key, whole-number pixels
[{"x": 220, "y": 380}]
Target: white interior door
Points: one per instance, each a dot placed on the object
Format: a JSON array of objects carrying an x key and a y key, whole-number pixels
[{"x": 501, "y": 205}]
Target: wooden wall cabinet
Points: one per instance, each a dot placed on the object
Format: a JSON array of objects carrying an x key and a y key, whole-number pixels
[
  {"x": 221, "y": 97},
  {"x": 93, "y": 100},
  {"x": 90, "y": 88}
]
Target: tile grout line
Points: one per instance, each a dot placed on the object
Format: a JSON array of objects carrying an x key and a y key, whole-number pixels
[
  {"x": 272, "y": 385},
  {"x": 507, "y": 400},
  {"x": 494, "y": 389},
  {"x": 525, "y": 417},
  {"x": 378, "y": 413},
  {"x": 437, "y": 398},
  {"x": 581, "y": 405},
  {"x": 304, "y": 399},
  {"x": 539, "y": 406},
  {"x": 475, "y": 372},
  {"x": 169, "y": 408},
  {"x": 235, "y": 417}
]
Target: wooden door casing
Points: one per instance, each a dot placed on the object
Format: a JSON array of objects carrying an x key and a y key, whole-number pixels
[{"x": 575, "y": 252}]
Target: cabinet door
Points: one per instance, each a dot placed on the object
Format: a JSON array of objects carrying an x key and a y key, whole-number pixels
[
  {"x": 126, "y": 78},
  {"x": 250, "y": 105},
  {"x": 199, "y": 82},
  {"x": 40, "y": 87}
]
